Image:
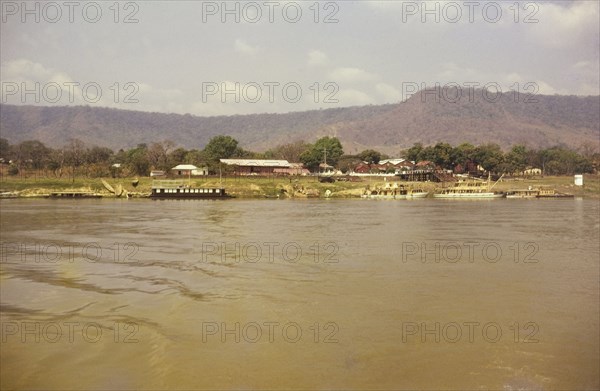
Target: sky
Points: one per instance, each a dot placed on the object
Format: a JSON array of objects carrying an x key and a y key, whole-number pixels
[{"x": 210, "y": 58}]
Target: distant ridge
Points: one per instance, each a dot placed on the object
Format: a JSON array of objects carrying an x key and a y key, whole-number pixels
[{"x": 552, "y": 120}]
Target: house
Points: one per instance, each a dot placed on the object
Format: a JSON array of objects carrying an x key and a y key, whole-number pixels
[
  {"x": 532, "y": 171},
  {"x": 405, "y": 166},
  {"x": 325, "y": 168},
  {"x": 157, "y": 173},
  {"x": 189, "y": 170},
  {"x": 384, "y": 166},
  {"x": 362, "y": 168},
  {"x": 425, "y": 165},
  {"x": 256, "y": 166},
  {"x": 392, "y": 162},
  {"x": 294, "y": 169}
]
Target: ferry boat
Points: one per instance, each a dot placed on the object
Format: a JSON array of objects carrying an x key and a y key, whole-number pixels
[
  {"x": 178, "y": 190},
  {"x": 551, "y": 193},
  {"x": 523, "y": 193},
  {"x": 395, "y": 193},
  {"x": 469, "y": 190},
  {"x": 536, "y": 193},
  {"x": 73, "y": 194}
]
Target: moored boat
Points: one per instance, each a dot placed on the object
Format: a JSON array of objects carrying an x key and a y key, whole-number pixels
[
  {"x": 523, "y": 193},
  {"x": 73, "y": 195},
  {"x": 395, "y": 192},
  {"x": 177, "y": 190},
  {"x": 551, "y": 193},
  {"x": 469, "y": 190},
  {"x": 536, "y": 193}
]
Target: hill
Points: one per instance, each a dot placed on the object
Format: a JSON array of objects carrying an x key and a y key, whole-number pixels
[{"x": 552, "y": 120}]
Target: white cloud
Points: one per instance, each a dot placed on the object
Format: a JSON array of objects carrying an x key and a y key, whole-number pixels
[
  {"x": 242, "y": 47},
  {"x": 317, "y": 58},
  {"x": 389, "y": 93},
  {"x": 23, "y": 70},
  {"x": 352, "y": 97},
  {"x": 351, "y": 75},
  {"x": 566, "y": 24},
  {"x": 28, "y": 82},
  {"x": 452, "y": 72},
  {"x": 586, "y": 77}
]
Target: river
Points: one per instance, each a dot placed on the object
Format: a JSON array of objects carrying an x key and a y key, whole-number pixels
[{"x": 300, "y": 294}]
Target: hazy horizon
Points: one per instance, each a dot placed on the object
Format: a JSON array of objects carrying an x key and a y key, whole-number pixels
[{"x": 214, "y": 58}]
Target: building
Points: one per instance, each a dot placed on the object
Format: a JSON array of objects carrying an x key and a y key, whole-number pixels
[
  {"x": 392, "y": 162},
  {"x": 256, "y": 166},
  {"x": 384, "y": 166},
  {"x": 294, "y": 169},
  {"x": 532, "y": 171},
  {"x": 189, "y": 170},
  {"x": 325, "y": 168},
  {"x": 362, "y": 168}
]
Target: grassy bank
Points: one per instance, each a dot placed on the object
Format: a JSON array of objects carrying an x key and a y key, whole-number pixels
[{"x": 276, "y": 187}]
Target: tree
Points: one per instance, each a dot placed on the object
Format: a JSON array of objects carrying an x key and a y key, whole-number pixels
[
  {"x": 97, "y": 161},
  {"x": 5, "y": 150},
  {"x": 462, "y": 156},
  {"x": 137, "y": 160},
  {"x": 290, "y": 152},
  {"x": 516, "y": 159},
  {"x": 56, "y": 162},
  {"x": 220, "y": 147},
  {"x": 74, "y": 155},
  {"x": 348, "y": 162},
  {"x": 328, "y": 148},
  {"x": 563, "y": 161},
  {"x": 414, "y": 153},
  {"x": 443, "y": 155},
  {"x": 98, "y": 155},
  {"x": 370, "y": 156},
  {"x": 32, "y": 153},
  {"x": 157, "y": 154},
  {"x": 195, "y": 157},
  {"x": 178, "y": 156},
  {"x": 489, "y": 156}
]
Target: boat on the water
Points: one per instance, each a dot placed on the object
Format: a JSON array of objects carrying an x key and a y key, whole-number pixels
[
  {"x": 395, "y": 192},
  {"x": 551, "y": 193},
  {"x": 73, "y": 195},
  {"x": 178, "y": 190},
  {"x": 536, "y": 193},
  {"x": 470, "y": 190},
  {"x": 523, "y": 193}
]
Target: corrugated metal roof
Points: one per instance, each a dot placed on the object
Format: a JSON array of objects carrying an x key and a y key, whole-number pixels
[
  {"x": 392, "y": 161},
  {"x": 256, "y": 162},
  {"x": 185, "y": 167}
]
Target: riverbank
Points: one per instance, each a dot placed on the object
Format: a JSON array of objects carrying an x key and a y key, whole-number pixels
[{"x": 276, "y": 187}]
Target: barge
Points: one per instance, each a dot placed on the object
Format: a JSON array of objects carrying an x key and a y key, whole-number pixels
[{"x": 176, "y": 190}]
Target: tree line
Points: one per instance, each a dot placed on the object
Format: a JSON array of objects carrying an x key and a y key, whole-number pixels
[
  {"x": 557, "y": 160},
  {"x": 77, "y": 158}
]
